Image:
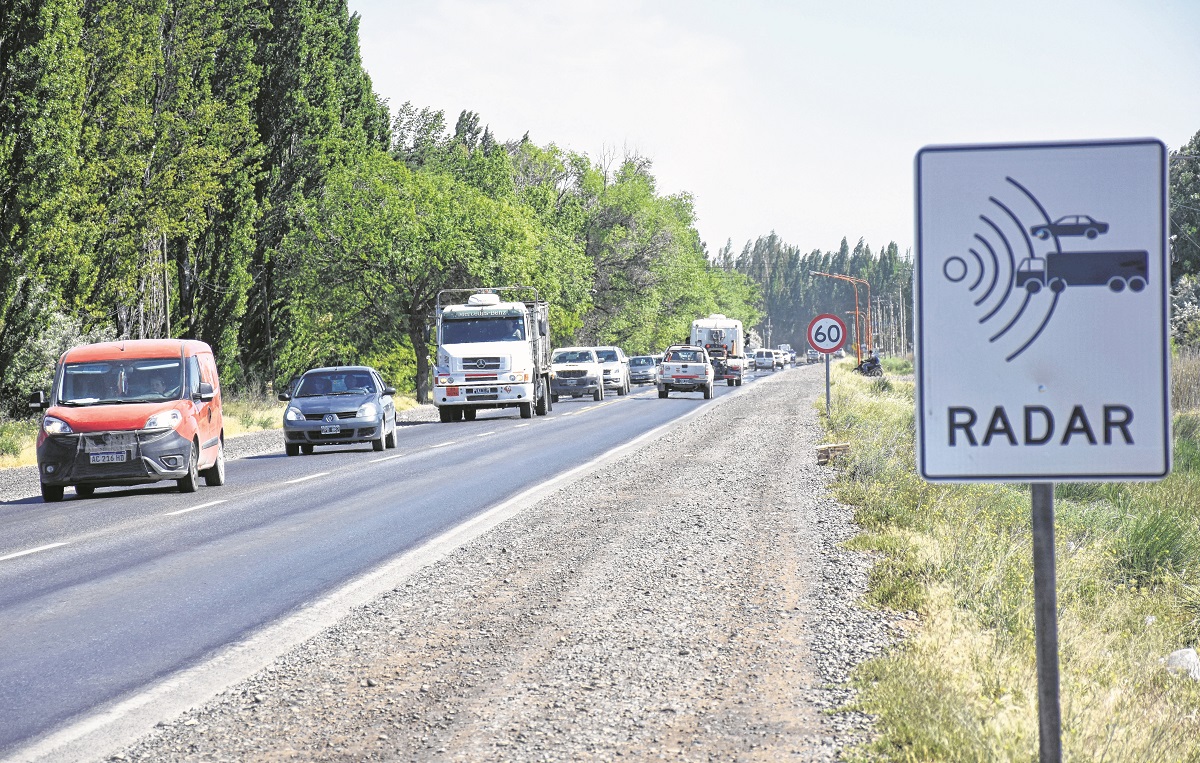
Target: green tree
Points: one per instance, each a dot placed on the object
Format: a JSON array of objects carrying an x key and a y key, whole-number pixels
[{"x": 1184, "y": 193}]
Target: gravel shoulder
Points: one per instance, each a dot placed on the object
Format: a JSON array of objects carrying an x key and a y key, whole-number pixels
[{"x": 689, "y": 601}]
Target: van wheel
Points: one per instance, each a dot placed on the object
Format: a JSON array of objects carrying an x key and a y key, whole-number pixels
[
  {"x": 214, "y": 476},
  {"x": 85, "y": 491},
  {"x": 52, "y": 493},
  {"x": 291, "y": 450},
  {"x": 191, "y": 482}
]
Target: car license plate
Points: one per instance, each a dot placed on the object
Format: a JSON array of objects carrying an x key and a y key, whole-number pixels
[
  {"x": 108, "y": 458},
  {"x": 331, "y": 429}
]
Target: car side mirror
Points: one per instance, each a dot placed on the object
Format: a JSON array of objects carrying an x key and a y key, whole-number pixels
[
  {"x": 284, "y": 397},
  {"x": 389, "y": 390},
  {"x": 37, "y": 401},
  {"x": 206, "y": 392}
]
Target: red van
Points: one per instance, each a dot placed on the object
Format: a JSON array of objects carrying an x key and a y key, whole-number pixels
[{"x": 131, "y": 413}]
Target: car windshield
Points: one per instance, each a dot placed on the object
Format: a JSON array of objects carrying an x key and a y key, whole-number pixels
[
  {"x": 641, "y": 360},
  {"x": 121, "y": 381},
  {"x": 335, "y": 383},
  {"x": 574, "y": 356},
  {"x": 607, "y": 356},
  {"x": 463, "y": 330},
  {"x": 684, "y": 356}
]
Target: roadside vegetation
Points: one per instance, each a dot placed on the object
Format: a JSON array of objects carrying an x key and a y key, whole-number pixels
[{"x": 963, "y": 685}]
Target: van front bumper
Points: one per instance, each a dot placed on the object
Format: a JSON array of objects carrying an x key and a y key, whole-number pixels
[{"x": 113, "y": 458}]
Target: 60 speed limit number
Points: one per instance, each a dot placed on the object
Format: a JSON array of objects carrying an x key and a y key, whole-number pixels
[{"x": 826, "y": 333}]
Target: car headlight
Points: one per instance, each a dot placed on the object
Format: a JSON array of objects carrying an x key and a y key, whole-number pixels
[
  {"x": 52, "y": 425},
  {"x": 367, "y": 410},
  {"x": 164, "y": 420},
  {"x": 293, "y": 414}
]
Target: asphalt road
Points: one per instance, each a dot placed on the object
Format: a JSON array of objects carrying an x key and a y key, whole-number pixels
[{"x": 101, "y": 597}]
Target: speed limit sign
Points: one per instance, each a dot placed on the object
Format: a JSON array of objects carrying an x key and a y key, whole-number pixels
[{"x": 826, "y": 333}]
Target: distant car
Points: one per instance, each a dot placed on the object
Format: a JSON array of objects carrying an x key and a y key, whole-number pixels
[
  {"x": 1071, "y": 225},
  {"x": 839, "y": 353},
  {"x": 781, "y": 359},
  {"x": 764, "y": 358},
  {"x": 813, "y": 356},
  {"x": 575, "y": 372},
  {"x": 337, "y": 406},
  {"x": 616, "y": 368},
  {"x": 641, "y": 368}
]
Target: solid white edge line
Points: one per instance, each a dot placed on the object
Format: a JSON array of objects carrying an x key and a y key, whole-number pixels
[
  {"x": 194, "y": 508},
  {"x": 29, "y": 551},
  {"x": 304, "y": 479},
  {"x": 109, "y": 729}
]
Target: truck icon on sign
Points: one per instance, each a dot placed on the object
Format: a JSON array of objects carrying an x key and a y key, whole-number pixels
[{"x": 1058, "y": 270}]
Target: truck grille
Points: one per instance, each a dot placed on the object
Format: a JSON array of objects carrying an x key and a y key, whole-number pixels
[
  {"x": 481, "y": 364},
  {"x": 571, "y": 374}
]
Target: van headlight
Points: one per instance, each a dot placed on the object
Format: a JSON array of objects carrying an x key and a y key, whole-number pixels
[
  {"x": 164, "y": 420},
  {"x": 293, "y": 414},
  {"x": 52, "y": 425},
  {"x": 367, "y": 411}
]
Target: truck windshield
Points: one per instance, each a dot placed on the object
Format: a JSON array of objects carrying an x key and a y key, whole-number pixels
[
  {"x": 465, "y": 330},
  {"x": 607, "y": 356},
  {"x": 121, "y": 381}
]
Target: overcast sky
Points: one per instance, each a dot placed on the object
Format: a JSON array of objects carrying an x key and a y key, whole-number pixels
[{"x": 793, "y": 116}]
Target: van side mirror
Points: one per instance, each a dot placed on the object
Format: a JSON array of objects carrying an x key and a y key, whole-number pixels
[
  {"x": 206, "y": 392},
  {"x": 37, "y": 401}
]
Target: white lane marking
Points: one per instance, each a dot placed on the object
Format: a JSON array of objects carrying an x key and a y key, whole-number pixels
[
  {"x": 444, "y": 444},
  {"x": 309, "y": 477},
  {"x": 194, "y": 508},
  {"x": 526, "y": 424},
  {"x": 388, "y": 458},
  {"x": 31, "y": 551},
  {"x": 485, "y": 434}
]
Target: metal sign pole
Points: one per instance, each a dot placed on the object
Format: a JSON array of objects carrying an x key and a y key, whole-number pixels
[
  {"x": 826, "y": 385},
  {"x": 1045, "y": 618}
]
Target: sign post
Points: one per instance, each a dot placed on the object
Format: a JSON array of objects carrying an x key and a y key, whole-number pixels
[
  {"x": 826, "y": 334},
  {"x": 1034, "y": 263}
]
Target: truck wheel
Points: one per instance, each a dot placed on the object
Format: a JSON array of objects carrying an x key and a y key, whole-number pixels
[
  {"x": 738, "y": 382},
  {"x": 469, "y": 414},
  {"x": 729, "y": 382},
  {"x": 1116, "y": 284},
  {"x": 52, "y": 493},
  {"x": 708, "y": 390},
  {"x": 1033, "y": 287},
  {"x": 598, "y": 395},
  {"x": 291, "y": 450},
  {"x": 662, "y": 394},
  {"x": 542, "y": 407},
  {"x": 456, "y": 414},
  {"x": 1057, "y": 285},
  {"x": 526, "y": 410},
  {"x": 1136, "y": 283},
  {"x": 445, "y": 414}
]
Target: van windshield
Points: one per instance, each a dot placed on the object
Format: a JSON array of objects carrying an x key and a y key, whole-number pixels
[{"x": 108, "y": 382}]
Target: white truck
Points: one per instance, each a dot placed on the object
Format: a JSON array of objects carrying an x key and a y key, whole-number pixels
[
  {"x": 493, "y": 351},
  {"x": 726, "y": 341}
]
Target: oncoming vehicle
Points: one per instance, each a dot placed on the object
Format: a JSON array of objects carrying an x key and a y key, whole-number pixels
[
  {"x": 337, "y": 406},
  {"x": 641, "y": 368},
  {"x": 131, "y": 412},
  {"x": 813, "y": 356},
  {"x": 686, "y": 368},
  {"x": 575, "y": 372},
  {"x": 616, "y": 368}
]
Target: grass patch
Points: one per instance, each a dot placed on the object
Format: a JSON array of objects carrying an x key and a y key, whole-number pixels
[{"x": 963, "y": 687}]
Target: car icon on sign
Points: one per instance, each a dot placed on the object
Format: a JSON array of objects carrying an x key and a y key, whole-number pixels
[{"x": 1071, "y": 225}]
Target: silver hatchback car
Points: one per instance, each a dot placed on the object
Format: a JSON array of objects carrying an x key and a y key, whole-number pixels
[{"x": 338, "y": 406}]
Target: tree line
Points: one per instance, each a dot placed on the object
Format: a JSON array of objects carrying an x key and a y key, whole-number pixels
[{"x": 223, "y": 170}]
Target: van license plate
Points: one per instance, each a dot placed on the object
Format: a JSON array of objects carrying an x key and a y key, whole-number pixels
[
  {"x": 332, "y": 429},
  {"x": 108, "y": 458}
]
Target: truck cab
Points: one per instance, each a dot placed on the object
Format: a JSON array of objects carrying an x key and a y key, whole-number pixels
[{"x": 492, "y": 353}]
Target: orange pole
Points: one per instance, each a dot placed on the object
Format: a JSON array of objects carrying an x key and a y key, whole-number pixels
[{"x": 857, "y": 315}]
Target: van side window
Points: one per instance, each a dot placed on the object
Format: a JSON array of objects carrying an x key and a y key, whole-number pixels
[{"x": 193, "y": 376}]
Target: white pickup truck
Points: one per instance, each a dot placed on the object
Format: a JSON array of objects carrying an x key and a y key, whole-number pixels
[{"x": 686, "y": 368}]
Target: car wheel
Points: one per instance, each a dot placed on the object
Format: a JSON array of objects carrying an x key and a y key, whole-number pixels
[
  {"x": 306, "y": 450},
  {"x": 378, "y": 443},
  {"x": 52, "y": 493},
  {"x": 214, "y": 476},
  {"x": 1091, "y": 233},
  {"x": 469, "y": 414},
  {"x": 445, "y": 414},
  {"x": 291, "y": 450},
  {"x": 85, "y": 491},
  {"x": 390, "y": 442},
  {"x": 190, "y": 482}
]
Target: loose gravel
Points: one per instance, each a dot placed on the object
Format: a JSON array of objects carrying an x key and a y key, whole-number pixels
[{"x": 690, "y": 601}]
